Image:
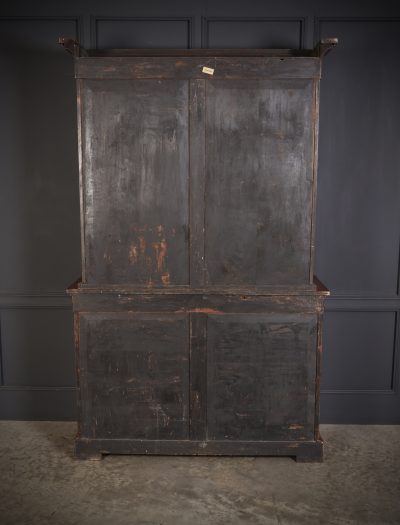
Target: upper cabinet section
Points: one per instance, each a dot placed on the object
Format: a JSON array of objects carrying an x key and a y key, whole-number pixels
[{"x": 198, "y": 167}]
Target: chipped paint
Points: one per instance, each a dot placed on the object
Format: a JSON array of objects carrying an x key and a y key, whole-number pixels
[
  {"x": 76, "y": 330},
  {"x": 165, "y": 278},
  {"x": 142, "y": 244},
  {"x": 133, "y": 253},
  {"x": 160, "y": 414},
  {"x": 204, "y": 311},
  {"x": 160, "y": 248}
]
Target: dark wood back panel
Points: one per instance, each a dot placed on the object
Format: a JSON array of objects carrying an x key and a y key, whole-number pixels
[
  {"x": 261, "y": 372},
  {"x": 259, "y": 177},
  {"x": 135, "y": 181},
  {"x": 197, "y": 179},
  {"x": 134, "y": 375}
]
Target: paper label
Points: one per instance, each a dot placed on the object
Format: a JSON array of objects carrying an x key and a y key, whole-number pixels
[{"x": 208, "y": 70}]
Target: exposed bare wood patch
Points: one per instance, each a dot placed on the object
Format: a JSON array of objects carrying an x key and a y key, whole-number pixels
[
  {"x": 160, "y": 249},
  {"x": 133, "y": 253},
  {"x": 165, "y": 278}
]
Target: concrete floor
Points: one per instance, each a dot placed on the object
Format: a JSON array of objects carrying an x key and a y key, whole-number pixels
[{"x": 41, "y": 483}]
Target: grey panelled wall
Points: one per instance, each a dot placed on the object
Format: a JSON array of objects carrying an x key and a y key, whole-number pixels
[{"x": 358, "y": 213}]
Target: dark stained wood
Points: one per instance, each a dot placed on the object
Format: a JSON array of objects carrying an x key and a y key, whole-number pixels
[
  {"x": 314, "y": 164},
  {"x": 318, "y": 363},
  {"x": 209, "y": 303},
  {"x": 130, "y": 288},
  {"x": 192, "y": 67},
  {"x": 325, "y": 46},
  {"x": 300, "y": 450},
  {"x": 82, "y": 181},
  {"x": 198, "y": 376},
  {"x": 135, "y": 171},
  {"x": 259, "y": 153},
  {"x": 73, "y": 47},
  {"x": 197, "y": 319},
  {"x": 251, "y": 376},
  {"x": 321, "y": 288},
  {"x": 197, "y": 180},
  {"x": 268, "y": 390},
  {"x": 321, "y": 48},
  {"x": 135, "y": 371}
]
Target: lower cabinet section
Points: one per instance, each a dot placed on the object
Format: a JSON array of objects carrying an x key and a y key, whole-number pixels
[{"x": 195, "y": 382}]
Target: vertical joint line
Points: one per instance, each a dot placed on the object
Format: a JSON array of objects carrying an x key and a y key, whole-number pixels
[
  {"x": 1, "y": 355},
  {"x": 204, "y": 273},
  {"x": 398, "y": 272},
  {"x": 313, "y": 192},
  {"x": 190, "y": 179},
  {"x": 318, "y": 362},
  {"x": 395, "y": 357},
  {"x": 205, "y": 371},
  {"x": 190, "y": 378}
]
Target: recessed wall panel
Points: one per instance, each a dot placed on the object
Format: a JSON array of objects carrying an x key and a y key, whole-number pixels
[
  {"x": 253, "y": 33},
  {"x": 358, "y": 351},
  {"x": 358, "y": 221},
  {"x": 37, "y": 347},
  {"x": 142, "y": 33},
  {"x": 39, "y": 199}
]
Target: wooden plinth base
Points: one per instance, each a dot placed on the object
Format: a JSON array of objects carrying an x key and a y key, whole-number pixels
[{"x": 302, "y": 451}]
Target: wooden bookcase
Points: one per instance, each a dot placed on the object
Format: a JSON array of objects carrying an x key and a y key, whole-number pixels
[{"x": 198, "y": 317}]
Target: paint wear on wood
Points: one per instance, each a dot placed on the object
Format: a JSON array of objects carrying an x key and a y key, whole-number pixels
[{"x": 198, "y": 318}]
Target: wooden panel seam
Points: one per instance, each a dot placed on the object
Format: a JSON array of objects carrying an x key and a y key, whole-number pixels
[
  {"x": 198, "y": 377},
  {"x": 315, "y": 121},
  {"x": 318, "y": 352},
  {"x": 196, "y": 180},
  {"x": 81, "y": 175}
]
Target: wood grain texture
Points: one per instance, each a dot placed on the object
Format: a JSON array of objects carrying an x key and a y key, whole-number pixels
[
  {"x": 197, "y": 180},
  {"x": 209, "y": 303},
  {"x": 135, "y": 171},
  {"x": 244, "y": 377},
  {"x": 198, "y": 376},
  {"x": 197, "y": 316},
  {"x": 191, "y": 67},
  {"x": 310, "y": 451},
  {"x": 134, "y": 372},
  {"x": 261, "y": 377},
  {"x": 259, "y": 182}
]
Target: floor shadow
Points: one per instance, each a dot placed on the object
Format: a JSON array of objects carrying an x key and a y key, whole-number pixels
[{"x": 59, "y": 434}]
